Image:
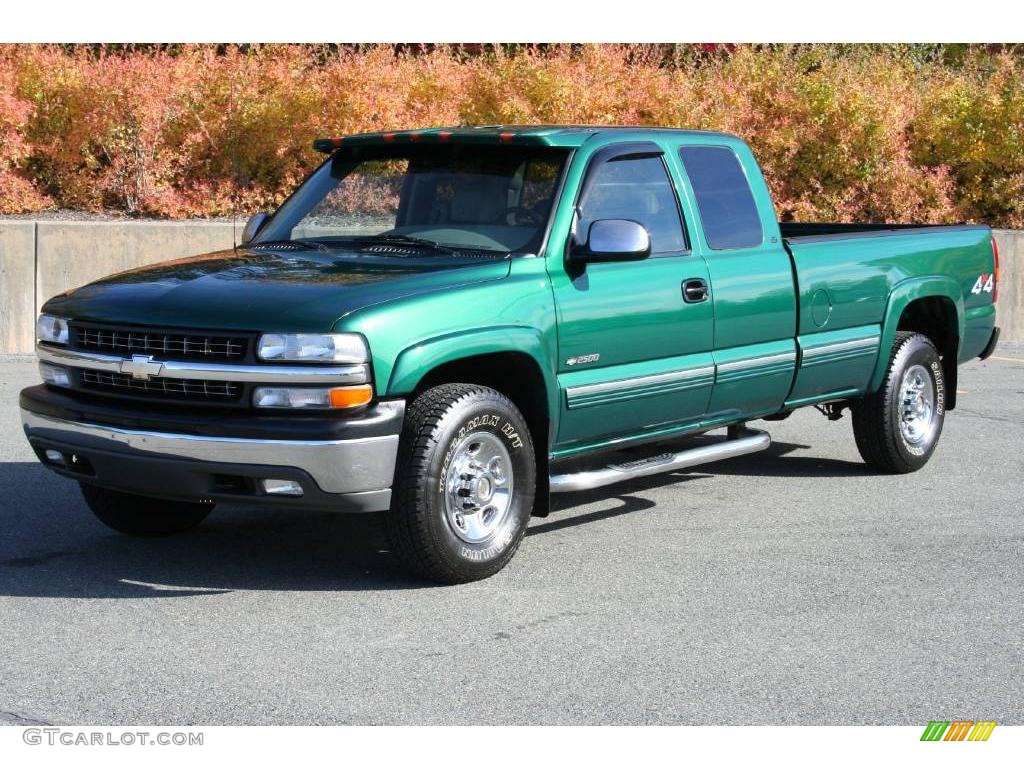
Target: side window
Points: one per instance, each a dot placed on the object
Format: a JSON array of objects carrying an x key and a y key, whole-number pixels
[
  {"x": 636, "y": 188},
  {"x": 726, "y": 205}
]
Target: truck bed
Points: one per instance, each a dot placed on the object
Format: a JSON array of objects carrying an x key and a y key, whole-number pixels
[{"x": 846, "y": 274}]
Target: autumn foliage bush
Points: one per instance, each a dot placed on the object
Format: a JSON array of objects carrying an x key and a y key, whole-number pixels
[{"x": 844, "y": 134}]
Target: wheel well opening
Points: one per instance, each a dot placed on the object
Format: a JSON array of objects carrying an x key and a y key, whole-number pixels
[
  {"x": 935, "y": 317},
  {"x": 514, "y": 374},
  {"x": 518, "y": 377}
]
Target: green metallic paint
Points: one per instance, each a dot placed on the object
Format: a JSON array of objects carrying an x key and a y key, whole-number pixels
[
  {"x": 834, "y": 361},
  {"x": 901, "y": 296},
  {"x": 871, "y": 280},
  {"x": 259, "y": 290},
  {"x": 753, "y": 379},
  {"x": 410, "y": 336},
  {"x": 978, "y": 325},
  {"x": 753, "y": 297},
  {"x": 631, "y": 314}
]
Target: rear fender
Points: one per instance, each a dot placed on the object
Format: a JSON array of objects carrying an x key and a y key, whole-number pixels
[{"x": 900, "y": 297}]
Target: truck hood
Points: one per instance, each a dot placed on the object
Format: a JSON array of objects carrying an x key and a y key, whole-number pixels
[{"x": 267, "y": 290}]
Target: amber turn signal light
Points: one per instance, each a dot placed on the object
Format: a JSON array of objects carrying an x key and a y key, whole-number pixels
[{"x": 351, "y": 397}]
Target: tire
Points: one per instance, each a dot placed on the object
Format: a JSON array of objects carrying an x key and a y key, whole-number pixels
[
  {"x": 142, "y": 515},
  {"x": 898, "y": 427},
  {"x": 464, "y": 486}
]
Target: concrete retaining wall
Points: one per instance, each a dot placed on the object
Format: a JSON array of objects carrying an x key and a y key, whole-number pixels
[
  {"x": 1010, "y": 303},
  {"x": 40, "y": 259}
]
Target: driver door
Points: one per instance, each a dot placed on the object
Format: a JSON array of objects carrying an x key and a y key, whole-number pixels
[{"x": 634, "y": 351}]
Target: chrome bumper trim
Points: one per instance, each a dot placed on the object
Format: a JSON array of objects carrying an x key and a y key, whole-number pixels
[
  {"x": 257, "y": 374},
  {"x": 337, "y": 466}
]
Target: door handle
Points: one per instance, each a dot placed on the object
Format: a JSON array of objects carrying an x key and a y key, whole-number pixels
[{"x": 695, "y": 290}]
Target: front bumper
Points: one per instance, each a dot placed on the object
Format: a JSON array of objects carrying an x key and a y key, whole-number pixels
[{"x": 342, "y": 464}]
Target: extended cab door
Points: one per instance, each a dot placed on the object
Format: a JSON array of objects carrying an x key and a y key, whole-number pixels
[
  {"x": 751, "y": 279},
  {"x": 634, "y": 352}
]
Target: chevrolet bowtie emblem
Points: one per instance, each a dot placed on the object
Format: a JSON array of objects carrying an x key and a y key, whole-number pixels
[{"x": 141, "y": 367}]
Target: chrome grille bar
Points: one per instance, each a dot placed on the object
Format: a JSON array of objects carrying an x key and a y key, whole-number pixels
[
  {"x": 212, "y": 390},
  {"x": 163, "y": 344},
  {"x": 179, "y": 369}
]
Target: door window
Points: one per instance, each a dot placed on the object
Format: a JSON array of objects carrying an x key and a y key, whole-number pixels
[{"x": 639, "y": 189}]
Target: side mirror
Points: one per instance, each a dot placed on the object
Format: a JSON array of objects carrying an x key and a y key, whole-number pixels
[
  {"x": 253, "y": 226},
  {"x": 613, "y": 240}
]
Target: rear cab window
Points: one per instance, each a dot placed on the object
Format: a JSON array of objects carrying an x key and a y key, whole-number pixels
[{"x": 727, "y": 208}]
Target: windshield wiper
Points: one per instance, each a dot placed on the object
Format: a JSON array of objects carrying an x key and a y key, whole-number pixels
[
  {"x": 421, "y": 242},
  {"x": 309, "y": 245}
]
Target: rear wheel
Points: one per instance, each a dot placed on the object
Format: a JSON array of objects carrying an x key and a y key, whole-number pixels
[
  {"x": 898, "y": 427},
  {"x": 142, "y": 515},
  {"x": 464, "y": 485}
]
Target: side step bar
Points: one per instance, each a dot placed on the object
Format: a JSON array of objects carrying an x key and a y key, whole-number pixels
[{"x": 745, "y": 441}]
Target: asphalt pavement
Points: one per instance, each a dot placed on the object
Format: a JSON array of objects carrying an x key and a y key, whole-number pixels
[{"x": 788, "y": 587}]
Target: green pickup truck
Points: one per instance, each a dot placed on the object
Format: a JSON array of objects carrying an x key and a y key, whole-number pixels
[{"x": 447, "y": 326}]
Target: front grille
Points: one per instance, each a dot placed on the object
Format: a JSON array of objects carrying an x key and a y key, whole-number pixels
[
  {"x": 193, "y": 390},
  {"x": 176, "y": 345}
]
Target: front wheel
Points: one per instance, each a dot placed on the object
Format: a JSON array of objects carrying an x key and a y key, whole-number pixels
[
  {"x": 464, "y": 484},
  {"x": 142, "y": 515},
  {"x": 898, "y": 427}
]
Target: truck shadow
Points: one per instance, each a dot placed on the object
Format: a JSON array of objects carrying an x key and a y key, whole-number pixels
[{"x": 51, "y": 546}]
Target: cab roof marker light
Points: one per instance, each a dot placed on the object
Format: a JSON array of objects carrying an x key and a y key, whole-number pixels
[{"x": 326, "y": 145}]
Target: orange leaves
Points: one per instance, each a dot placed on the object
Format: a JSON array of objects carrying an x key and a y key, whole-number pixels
[{"x": 853, "y": 133}]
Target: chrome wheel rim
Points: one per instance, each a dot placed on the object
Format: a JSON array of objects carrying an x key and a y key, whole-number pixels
[
  {"x": 917, "y": 405},
  {"x": 478, "y": 494}
]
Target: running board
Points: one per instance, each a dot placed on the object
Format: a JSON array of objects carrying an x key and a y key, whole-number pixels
[{"x": 749, "y": 441}]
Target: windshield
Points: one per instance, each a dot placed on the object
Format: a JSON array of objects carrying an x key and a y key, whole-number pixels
[{"x": 452, "y": 197}]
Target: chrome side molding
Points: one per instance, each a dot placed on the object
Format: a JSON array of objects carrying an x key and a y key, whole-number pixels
[
  {"x": 749, "y": 363},
  {"x": 840, "y": 350},
  {"x": 749, "y": 441},
  {"x": 267, "y": 373}
]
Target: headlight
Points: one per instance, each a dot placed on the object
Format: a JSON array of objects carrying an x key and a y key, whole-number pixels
[
  {"x": 55, "y": 375},
  {"x": 312, "y": 397},
  {"x": 53, "y": 330},
  {"x": 313, "y": 347}
]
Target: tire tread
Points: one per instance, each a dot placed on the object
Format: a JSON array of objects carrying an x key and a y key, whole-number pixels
[
  {"x": 872, "y": 415},
  {"x": 405, "y": 523}
]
